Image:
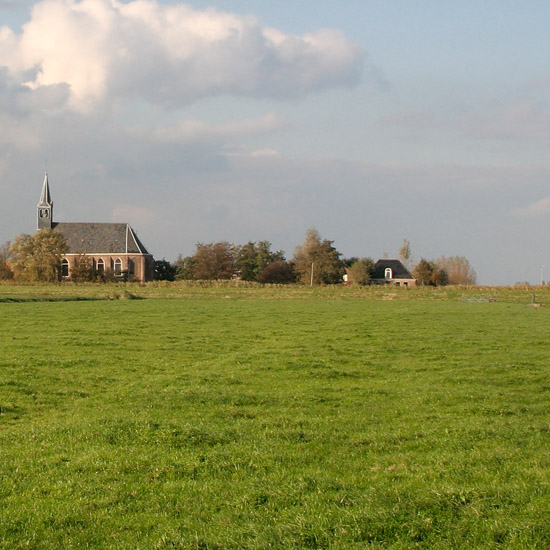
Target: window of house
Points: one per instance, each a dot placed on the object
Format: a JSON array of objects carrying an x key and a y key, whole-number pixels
[
  {"x": 64, "y": 267},
  {"x": 118, "y": 266},
  {"x": 388, "y": 273},
  {"x": 100, "y": 265}
]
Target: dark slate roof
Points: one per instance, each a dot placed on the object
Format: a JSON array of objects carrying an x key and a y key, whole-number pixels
[
  {"x": 100, "y": 238},
  {"x": 399, "y": 271}
]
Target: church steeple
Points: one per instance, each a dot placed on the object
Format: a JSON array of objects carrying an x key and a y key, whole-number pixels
[{"x": 45, "y": 206}]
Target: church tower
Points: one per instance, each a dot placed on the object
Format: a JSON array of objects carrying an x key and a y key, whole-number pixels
[{"x": 45, "y": 206}]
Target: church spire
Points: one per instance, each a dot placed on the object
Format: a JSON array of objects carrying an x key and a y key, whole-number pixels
[{"x": 45, "y": 206}]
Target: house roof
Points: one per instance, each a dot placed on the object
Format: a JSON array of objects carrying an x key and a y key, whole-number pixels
[
  {"x": 100, "y": 238},
  {"x": 399, "y": 271}
]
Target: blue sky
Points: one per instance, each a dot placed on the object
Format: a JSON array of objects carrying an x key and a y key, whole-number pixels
[{"x": 373, "y": 121}]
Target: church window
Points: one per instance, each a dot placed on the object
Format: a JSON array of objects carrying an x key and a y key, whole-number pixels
[
  {"x": 64, "y": 267},
  {"x": 100, "y": 265},
  {"x": 388, "y": 273},
  {"x": 118, "y": 266}
]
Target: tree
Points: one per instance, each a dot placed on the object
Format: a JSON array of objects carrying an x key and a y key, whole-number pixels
[
  {"x": 459, "y": 270},
  {"x": 278, "y": 272},
  {"x": 361, "y": 271},
  {"x": 317, "y": 260},
  {"x": 348, "y": 262},
  {"x": 212, "y": 261},
  {"x": 82, "y": 269},
  {"x": 252, "y": 258},
  {"x": 182, "y": 268},
  {"x": 38, "y": 257},
  {"x": 405, "y": 255},
  {"x": 5, "y": 269},
  {"x": 164, "y": 270},
  {"x": 428, "y": 273}
]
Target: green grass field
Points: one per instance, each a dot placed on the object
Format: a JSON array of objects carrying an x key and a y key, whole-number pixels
[{"x": 232, "y": 417}]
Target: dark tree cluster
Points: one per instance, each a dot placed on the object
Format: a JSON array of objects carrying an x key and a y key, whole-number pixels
[
  {"x": 222, "y": 260},
  {"x": 429, "y": 273}
]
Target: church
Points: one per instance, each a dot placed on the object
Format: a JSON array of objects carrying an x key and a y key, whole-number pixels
[{"x": 113, "y": 249}]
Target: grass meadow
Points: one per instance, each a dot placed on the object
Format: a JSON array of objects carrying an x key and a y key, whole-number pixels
[{"x": 236, "y": 417}]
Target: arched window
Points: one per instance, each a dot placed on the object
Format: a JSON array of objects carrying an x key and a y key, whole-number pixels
[
  {"x": 388, "y": 274},
  {"x": 100, "y": 265},
  {"x": 64, "y": 267},
  {"x": 118, "y": 266}
]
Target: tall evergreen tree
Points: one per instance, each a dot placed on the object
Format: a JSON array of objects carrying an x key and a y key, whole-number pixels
[{"x": 316, "y": 260}]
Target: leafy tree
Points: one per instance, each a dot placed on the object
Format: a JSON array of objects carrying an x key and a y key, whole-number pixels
[
  {"x": 459, "y": 270},
  {"x": 423, "y": 272},
  {"x": 428, "y": 273},
  {"x": 405, "y": 255},
  {"x": 440, "y": 277},
  {"x": 278, "y": 272},
  {"x": 361, "y": 271},
  {"x": 164, "y": 270},
  {"x": 212, "y": 261},
  {"x": 82, "y": 269},
  {"x": 38, "y": 257},
  {"x": 5, "y": 269},
  {"x": 252, "y": 259},
  {"x": 318, "y": 257},
  {"x": 183, "y": 268},
  {"x": 348, "y": 262}
]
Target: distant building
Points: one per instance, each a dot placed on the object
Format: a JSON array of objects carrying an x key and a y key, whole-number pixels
[
  {"x": 392, "y": 272},
  {"x": 112, "y": 248}
]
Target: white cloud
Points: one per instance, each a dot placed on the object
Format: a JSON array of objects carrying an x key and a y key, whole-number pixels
[
  {"x": 169, "y": 54},
  {"x": 264, "y": 153},
  {"x": 186, "y": 131},
  {"x": 538, "y": 208}
]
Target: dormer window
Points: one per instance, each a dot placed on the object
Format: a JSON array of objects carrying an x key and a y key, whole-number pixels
[{"x": 388, "y": 274}]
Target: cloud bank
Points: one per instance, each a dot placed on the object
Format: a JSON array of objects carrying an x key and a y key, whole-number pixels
[{"x": 82, "y": 53}]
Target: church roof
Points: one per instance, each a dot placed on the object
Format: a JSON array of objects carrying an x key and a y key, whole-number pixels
[{"x": 100, "y": 238}]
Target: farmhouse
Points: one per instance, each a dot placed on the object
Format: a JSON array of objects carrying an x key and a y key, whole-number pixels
[
  {"x": 392, "y": 272},
  {"x": 112, "y": 248}
]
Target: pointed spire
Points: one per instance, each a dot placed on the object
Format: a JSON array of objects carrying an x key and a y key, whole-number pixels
[
  {"x": 45, "y": 207},
  {"x": 45, "y": 197}
]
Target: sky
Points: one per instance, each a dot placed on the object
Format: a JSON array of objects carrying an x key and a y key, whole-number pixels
[{"x": 238, "y": 120}]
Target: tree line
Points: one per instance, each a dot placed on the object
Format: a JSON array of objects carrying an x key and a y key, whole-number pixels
[{"x": 315, "y": 261}]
